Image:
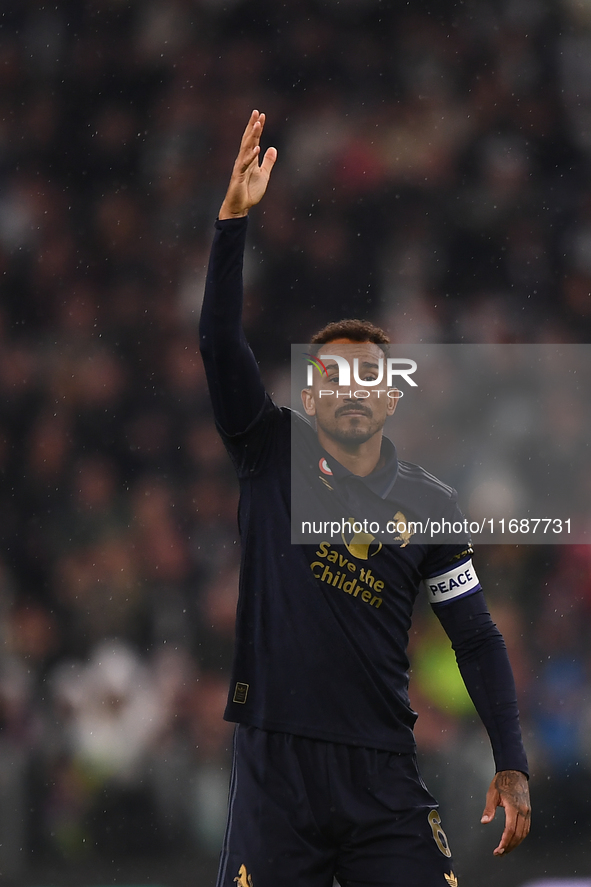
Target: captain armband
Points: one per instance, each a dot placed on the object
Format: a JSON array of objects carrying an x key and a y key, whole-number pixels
[{"x": 451, "y": 584}]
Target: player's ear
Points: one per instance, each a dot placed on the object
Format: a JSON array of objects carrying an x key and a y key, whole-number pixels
[
  {"x": 308, "y": 401},
  {"x": 394, "y": 396}
]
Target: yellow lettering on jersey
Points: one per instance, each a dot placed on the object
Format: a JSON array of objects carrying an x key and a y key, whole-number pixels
[{"x": 339, "y": 578}]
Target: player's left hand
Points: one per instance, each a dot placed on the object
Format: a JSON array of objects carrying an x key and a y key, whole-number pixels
[{"x": 509, "y": 789}]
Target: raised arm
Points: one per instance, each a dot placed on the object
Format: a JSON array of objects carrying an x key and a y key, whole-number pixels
[{"x": 235, "y": 385}]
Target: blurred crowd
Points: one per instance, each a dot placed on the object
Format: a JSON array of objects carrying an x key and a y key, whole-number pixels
[{"x": 433, "y": 176}]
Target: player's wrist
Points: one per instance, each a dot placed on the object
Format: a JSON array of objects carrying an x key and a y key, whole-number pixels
[{"x": 228, "y": 212}]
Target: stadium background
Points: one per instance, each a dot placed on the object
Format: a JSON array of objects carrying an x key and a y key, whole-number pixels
[{"x": 433, "y": 175}]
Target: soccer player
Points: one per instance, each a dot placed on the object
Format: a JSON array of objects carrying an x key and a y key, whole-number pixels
[{"x": 324, "y": 782}]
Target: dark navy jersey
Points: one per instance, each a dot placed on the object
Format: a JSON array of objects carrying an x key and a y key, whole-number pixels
[{"x": 322, "y": 630}]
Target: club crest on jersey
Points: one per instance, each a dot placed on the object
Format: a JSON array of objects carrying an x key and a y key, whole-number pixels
[
  {"x": 403, "y": 529},
  {"x": 243, "y": 879},
  {"x": 363, "y": 545}
]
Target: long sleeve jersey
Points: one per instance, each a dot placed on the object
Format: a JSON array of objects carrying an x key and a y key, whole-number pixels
[{"x": 322, "y": 630}]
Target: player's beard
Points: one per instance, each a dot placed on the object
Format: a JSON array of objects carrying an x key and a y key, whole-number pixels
[{"x": 353, "y": 434}]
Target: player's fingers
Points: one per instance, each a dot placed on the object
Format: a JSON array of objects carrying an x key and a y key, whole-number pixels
[
  {"x": 269, "y": 160},
  {"x": 253, "y": 131},
  {"x": 249, "y": 146},
  {"x": 249, "y": 142},
  {"x": 509, "y": 832},
  {"x": 246, "y": 158},
  {"x": 247, "y": 134},
  {"x": 521, "y": 831},
  {"x": 490, "y": 807},
  {"x": 517, "y": 818}
]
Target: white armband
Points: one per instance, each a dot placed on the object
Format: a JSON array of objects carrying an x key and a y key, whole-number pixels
[{"x": 459, "y": 581}]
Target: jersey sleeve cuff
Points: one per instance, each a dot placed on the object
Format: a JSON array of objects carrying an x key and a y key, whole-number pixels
[{"x": 240, "y": 222}]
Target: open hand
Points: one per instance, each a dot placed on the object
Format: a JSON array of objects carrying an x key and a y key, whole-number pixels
[
  {"x": 249, "y": 180},
  {"x": 509, "y": 789}
]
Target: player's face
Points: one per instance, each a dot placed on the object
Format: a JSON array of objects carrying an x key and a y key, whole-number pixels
[{"x": 354, "y": 413}]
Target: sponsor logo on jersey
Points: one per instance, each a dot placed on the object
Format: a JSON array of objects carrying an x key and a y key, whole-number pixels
[
  {"x": 344, "y": 575},
  {"x": 361, "y": 545}
]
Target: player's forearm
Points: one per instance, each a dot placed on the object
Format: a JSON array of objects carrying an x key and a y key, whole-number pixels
[
  {"x": 235, "y": 385},
  {"x": 489, "y": 681},
  {"x": 486, "y": 671},
  {"x": 221, "y": 312}
]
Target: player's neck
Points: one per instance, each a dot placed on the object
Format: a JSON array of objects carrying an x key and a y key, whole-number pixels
[{"x": 360, "y": 459}]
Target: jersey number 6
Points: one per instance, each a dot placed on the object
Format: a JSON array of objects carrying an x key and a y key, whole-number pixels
[{"x": 439, "y": 835}]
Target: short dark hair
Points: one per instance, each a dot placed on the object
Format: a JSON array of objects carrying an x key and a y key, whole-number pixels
[{"x": 350, "y": 328}]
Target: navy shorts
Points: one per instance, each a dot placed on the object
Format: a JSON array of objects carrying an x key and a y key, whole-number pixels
[{"x": 303, "y": 812}]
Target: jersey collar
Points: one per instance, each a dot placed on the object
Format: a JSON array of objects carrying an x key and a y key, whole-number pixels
[{"x": 381, "y": 480}]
